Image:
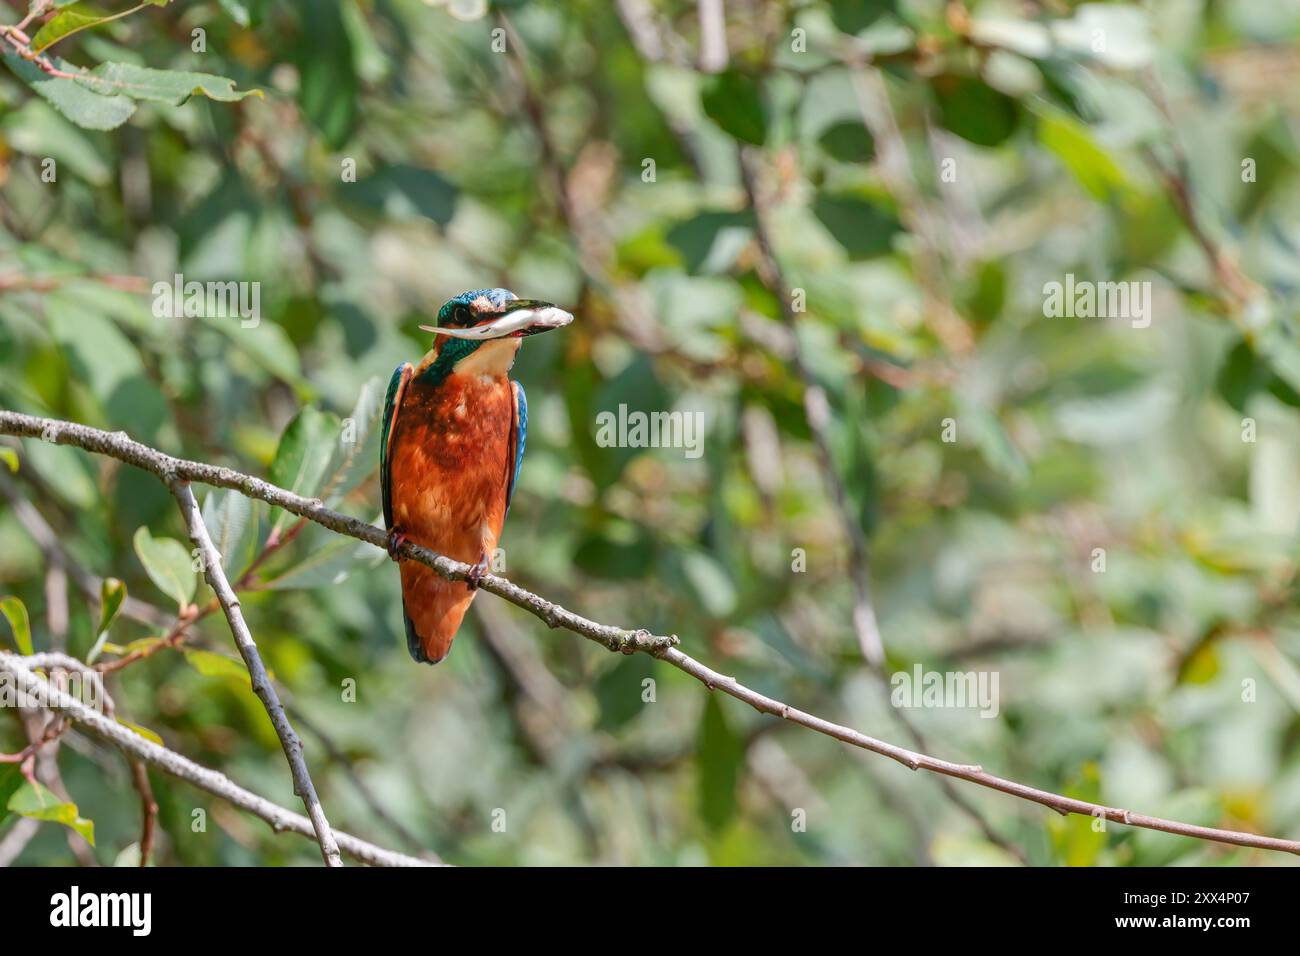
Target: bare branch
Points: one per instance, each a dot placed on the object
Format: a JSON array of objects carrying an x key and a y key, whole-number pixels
[
  {"x": 262, "y": 686},
  {"x": 120, "y": 446},
  {"x": 183, "y": 768}
]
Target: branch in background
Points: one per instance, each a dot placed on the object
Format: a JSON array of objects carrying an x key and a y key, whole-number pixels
[
  {"x": 145, "y": 613},
  {"x": 56, "y": 555},
  {"x": 120, "y": 446},
  {"x": 26, "y": 283},
  {"x": 262, "y": 686},
  {"x": 713, "y": 36},
  {"x": 817, "y": 410},
  {"x": 896, "y": 170},
  {"x": 367, "y": 795},
  {"x": 1241, "y": 290},
  {"x": 183, "y": 768}
]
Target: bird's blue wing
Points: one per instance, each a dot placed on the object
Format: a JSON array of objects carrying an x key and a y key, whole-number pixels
[
  {"x": 396, "y": 389},
  {"x": 520, "y": 439}
]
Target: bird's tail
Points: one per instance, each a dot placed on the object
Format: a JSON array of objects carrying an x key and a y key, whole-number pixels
[{"x": 432, "y": 609}]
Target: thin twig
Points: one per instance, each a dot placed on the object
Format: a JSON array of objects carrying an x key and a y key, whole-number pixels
[
  {"x": 262, "y": 686},
  {"x": 627, "y": 641}
]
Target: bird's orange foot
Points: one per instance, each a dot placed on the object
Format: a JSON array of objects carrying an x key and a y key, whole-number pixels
[
  {"x": 395, "y": 541},
  {"x": 476, "y": 574}
]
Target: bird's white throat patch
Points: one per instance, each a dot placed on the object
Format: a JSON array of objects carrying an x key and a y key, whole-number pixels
[{"x": 490, "y": 359}]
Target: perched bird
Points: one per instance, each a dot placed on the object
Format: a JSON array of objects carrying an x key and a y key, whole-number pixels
[{"x": 452, "y": 443}]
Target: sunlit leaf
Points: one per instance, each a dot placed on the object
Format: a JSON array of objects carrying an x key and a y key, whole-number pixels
[
  {"x": 169, "y": 565},
  {"x": 34, "y": 801},
  {"x": 112, "y": 593},
  {"x": 73, "y": 18},
  {"x": 210, "y": 664},
  {"x": 1074, "y": 146},
  {"x": 15, "y": 613},
  {"x": 144, "y": 732}
]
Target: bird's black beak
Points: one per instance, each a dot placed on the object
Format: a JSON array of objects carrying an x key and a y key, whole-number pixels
[{"x": 520, "y": 317}]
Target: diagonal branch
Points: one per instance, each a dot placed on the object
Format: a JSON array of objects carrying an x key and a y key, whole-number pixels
[
  {"x": 817, "y": 412},
  {"x": 118, "y": 445},
  {"x": 170, "y": 762},
  {"x": 262, "y": 686}
]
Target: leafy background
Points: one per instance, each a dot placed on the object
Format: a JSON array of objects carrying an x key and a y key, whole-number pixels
[{"x": 924, "y": 301}]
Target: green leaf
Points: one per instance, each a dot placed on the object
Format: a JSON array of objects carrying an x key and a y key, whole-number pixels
[
  {"x": 732, "y": 100},
  {"x": 112, "y": 593},
  {"x": 36, "y": 802},
  {"x": 356, "y": 451},
  {"x": 712, "y": 584},
  {"x": 217, "y": 665},
  {"x": 168, "y": 564},
  {"x": 306, "y": 448},
  {"x": 619, "y": 690},
  {"x": 402, "y": 192},
  {"x": 710, "y": 241},
  {"x": 238, "y": 11},
  {"x": 70, "y": 20},
  {"x": 327, "y": 85},
  {"x": 39, "y": 130},
  {"x": 860, "y": 226},
  {"x": 16, "y": 613},
  {"x": 11, "y": 779},
  {"x": 232, "y": 526},
  {"x": 1074, "y": 146},
  {"x": 10, "y": 458},
  {"x": 848, "y": 141},
  {"x": 328, "y": 565},
  {"x": 144, "y": 732},
  {"x": 87, "y": 109},
  {"x": 1245, "y": 372},
  {"x": 854, "y": 16},
  {"x": 173, "y": 87},
  {"x": 975, "y": 111},
  {"x": 720, "y": 753}
]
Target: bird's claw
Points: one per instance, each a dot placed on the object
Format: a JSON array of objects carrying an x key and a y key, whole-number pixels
[
  {"x": 395, "y": 541},
  {"x": 475, "y": 574}
]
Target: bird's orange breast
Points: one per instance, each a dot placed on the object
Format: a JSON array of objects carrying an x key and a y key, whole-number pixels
[{"x": 450, "y": 471}]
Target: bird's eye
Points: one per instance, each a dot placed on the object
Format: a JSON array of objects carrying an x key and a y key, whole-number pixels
[{"x": 460, "y": 315}]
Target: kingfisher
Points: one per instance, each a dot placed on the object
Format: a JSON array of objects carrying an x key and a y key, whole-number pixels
[{"x": 453, "y": 440}]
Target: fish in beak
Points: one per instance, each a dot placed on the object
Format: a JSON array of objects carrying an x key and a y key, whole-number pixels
[{"x": 521, "y": 317}]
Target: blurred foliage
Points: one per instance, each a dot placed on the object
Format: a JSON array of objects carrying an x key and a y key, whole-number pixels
[{"x": 393, "y": 159}]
